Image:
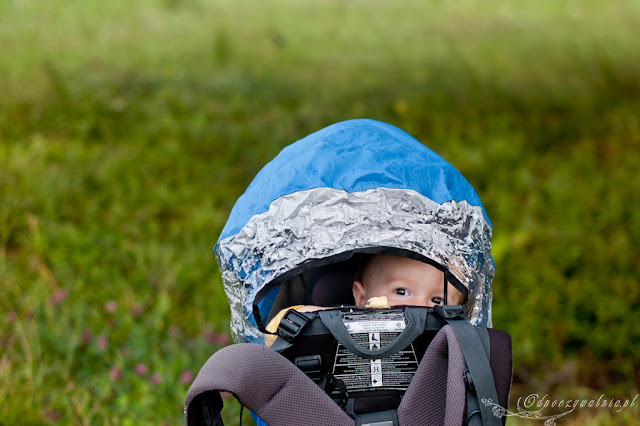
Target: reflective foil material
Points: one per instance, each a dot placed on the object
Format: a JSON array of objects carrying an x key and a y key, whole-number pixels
[{"x": 323, "y": 222}]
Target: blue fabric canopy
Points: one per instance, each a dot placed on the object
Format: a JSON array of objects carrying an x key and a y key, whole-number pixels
[{"x": 352, "y": 155}]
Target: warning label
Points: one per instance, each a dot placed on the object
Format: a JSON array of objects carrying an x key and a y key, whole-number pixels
[
  {"x": 375, "y": 330},
  {"x": 371, "y": 322}
]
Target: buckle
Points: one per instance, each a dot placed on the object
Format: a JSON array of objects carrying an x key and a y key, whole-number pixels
[
  {"x": 292, "y": 324},
  {"x": 468, "y": 381},
  {"x": 311, "y": 365}
]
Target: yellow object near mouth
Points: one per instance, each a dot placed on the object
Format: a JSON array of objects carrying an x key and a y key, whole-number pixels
[{"x": 378, "y": 302}]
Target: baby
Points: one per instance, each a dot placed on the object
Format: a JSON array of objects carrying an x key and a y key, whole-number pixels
[{"x": 401, "y": 280}]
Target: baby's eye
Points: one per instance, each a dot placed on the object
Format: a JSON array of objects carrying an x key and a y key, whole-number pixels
[
  {"x": 401, "y": 291},
  {"x": 437, "y": 300}
]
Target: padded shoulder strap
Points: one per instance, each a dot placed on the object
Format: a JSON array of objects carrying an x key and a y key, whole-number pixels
[
  {"x": 474, "y": 343},
  {"x": 266, "y": 383},
  {"x": 438, "y": 384}
]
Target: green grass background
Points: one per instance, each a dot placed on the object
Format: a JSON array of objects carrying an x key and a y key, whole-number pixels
[{"x": 128, "y": 129}]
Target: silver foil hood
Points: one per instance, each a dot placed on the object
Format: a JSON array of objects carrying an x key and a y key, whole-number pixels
[{"x": 320, "y": 223}]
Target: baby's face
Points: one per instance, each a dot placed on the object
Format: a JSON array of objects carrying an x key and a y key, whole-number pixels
[{"x": 404, "y": 282}]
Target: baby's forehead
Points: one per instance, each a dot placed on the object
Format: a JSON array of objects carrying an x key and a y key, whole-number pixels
[
  {"x": 390, "y": 267},
  {"x": 393, "y": 262}
]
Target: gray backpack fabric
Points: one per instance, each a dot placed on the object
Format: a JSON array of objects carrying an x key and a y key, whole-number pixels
[
  {"x": 438, "y": 384},
  {"x": 266, "y": 383}
]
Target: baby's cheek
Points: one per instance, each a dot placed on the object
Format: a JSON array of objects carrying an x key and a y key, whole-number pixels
[{"x": 394, "y": 299}]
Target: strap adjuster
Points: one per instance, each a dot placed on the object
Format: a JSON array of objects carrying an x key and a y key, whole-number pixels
[
  {"x": 468, "y": 381},
  {"x": 292, "y": 324},
  {"x": 311, "y": 365}
]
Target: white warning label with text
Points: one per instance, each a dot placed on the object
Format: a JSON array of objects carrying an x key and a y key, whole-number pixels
[{"x": 374, "y": 331}]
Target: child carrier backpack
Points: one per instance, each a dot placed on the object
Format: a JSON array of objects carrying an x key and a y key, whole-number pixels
[
  {"x": 359, "y": 186},
  {"x": 357, "y": 366}
]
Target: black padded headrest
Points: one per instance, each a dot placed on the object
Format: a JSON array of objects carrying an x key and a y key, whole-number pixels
[{"x": 332, "y": 284}]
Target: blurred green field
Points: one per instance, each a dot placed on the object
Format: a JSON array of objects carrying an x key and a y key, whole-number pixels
[{"x": 128, "y": 129}]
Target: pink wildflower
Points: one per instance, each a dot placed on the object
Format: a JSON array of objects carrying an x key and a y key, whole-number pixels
[
  {"x": 12, "y": 317},
  {"x": 141, "y": 369},
  {"x": 186, "y": 377},
  {"x": 111, "y": 306},
  {"x": 58, "y": 297},
  {"x": 155, "y": 379},
  {"x": 115, "y": 373},
  {"x": 216, "y": 338},
  {"x": 222, "y": 339},
  {"x": 51, "y": 415},
  {"x": 85, "y": 337},
  {"x": 102, "y": 342},
  {"x": 209, "y": 336}
]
